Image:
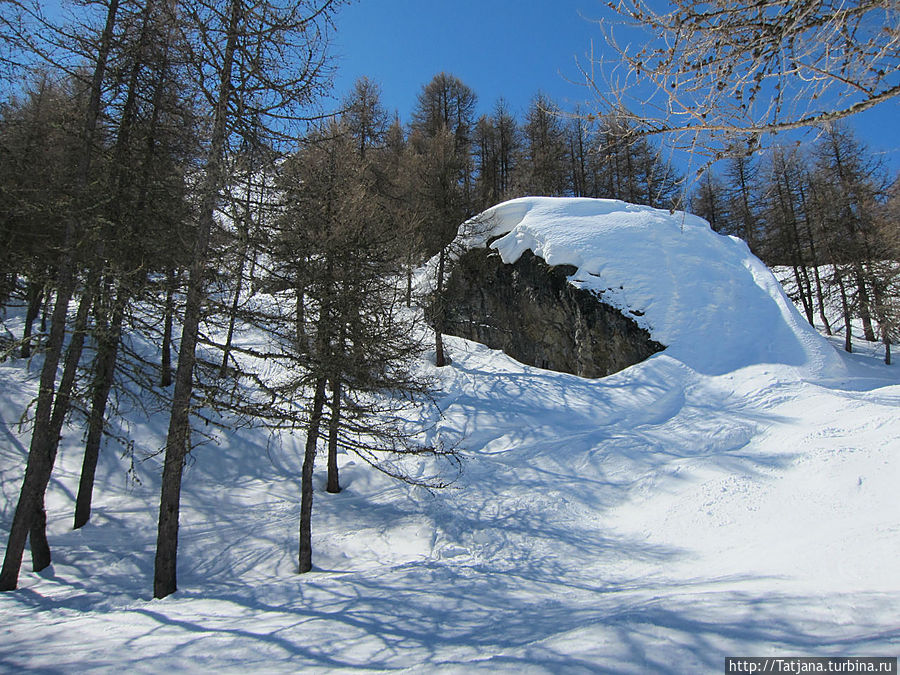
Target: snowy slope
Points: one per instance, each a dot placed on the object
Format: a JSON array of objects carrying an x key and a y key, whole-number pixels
[{"x": 732, "y": 495}]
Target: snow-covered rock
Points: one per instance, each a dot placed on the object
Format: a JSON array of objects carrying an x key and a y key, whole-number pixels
[{"x": 705, "y": 296}]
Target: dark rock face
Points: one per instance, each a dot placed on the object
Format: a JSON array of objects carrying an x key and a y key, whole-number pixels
[{"x": 530, "y": 311}]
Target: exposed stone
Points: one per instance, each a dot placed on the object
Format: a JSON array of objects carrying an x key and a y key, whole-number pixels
[{"x": 530, "y": 311}]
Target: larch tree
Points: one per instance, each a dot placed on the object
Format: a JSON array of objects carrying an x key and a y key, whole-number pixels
[
  {"x": 364, "y": 116},
  {"x": 742, "y": 174},
  {"x": 147, "y": 182},
  {"x": 29, "y": 520},
  {"x": 718, "y": 76},
  {"x": 360, "y": 346},
  {"x": 257, "y": 64},
  {"x": 708, "y": 201},
  {"x": 545, "y": 166},
  {"x": 442, "y": 124}
]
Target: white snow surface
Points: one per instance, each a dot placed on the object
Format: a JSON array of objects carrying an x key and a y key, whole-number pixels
[{"x": 733, "y": 495}]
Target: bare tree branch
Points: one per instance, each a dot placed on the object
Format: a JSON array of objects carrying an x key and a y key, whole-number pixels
[{"x": 715, "y": 72}]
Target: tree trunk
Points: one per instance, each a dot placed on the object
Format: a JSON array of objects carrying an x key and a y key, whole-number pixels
[
  {"x": 804, "y": 298},
  {"x": 35, "y": 295},
  {"x": 40, "y": 548},
  {"x": 165, "y": 378},
  {"x": 104, "y": 372},
  {"x": 409, "y": 278},
  {"x": 440, "y": 359},
  {"x": 865, "y": 308},
  {"x": 820, "y": 299},
  {"x": 164, "y": 577},
  {"x": 306, "y": 485},
  {"x": 235, "y": 302},
  {"x": 45, "y": 309},
  {"x": 804, "y": 288},
  {"x": 845, "y": 307},
  {"x": 334, "y": 423}
]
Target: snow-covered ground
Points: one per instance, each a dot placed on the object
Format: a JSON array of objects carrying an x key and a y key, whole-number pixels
[{"x": 733, "y": 495}]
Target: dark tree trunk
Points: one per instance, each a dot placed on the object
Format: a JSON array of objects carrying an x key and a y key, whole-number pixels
[
  {"x": 164, "y": 575},
  {"x": 40, "y": 461},
  {"x": 109, "y": 328},
  {"x": 334, "y": 423},
  {"x": 165, "y": 379},
  {"x": 40, "y": 548},
  {"x": 235, "y": 302},
  {"x": 440, "y": 359},
  {"x": 409, "y": 279},
  {"x": 845, "y": 308},
  {"x": 801, "y": 290},
  {"x": 804, "y": 288},
  {"x": 820, "y": 299},
  {"x": 45, "y": 310},
  {"x": 306, "y": 485},
  {"x": 164, "y": 578},
  {"x": 35, "y": 295},
  {"x": 104, "y": 372},
  {"x": 865, "y": 307},
  {"x": 300, "y": 318}
]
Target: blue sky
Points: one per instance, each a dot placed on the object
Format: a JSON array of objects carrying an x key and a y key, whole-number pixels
[{"x": 508, "y": 48}]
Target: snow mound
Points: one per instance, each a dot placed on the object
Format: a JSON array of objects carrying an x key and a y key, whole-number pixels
[{"x": 704, "y": 295}]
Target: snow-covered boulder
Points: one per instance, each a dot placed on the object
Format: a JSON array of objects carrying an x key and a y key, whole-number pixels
[{"x": 704, "y": 296}]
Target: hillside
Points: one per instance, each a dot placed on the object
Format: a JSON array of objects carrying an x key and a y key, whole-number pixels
[{"x": 734, "y": 494}]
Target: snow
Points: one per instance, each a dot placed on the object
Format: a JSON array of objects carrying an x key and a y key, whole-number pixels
[{"x": 732, "y": 495}]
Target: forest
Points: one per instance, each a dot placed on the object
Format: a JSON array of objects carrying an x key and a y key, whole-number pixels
[{"x": 169, "y": 186}]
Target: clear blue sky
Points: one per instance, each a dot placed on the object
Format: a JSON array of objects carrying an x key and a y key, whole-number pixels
[{"x": 508, "y": 48}]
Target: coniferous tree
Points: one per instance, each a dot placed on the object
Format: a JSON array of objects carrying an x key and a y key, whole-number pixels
[
  {"x": 365, "y": 117},
  {"x": 258, "y": 64},
  {"x": 441, "y": 139},
  {"x": 29, "y": 520},
  {"x": 742, "y": 175},
  {"x": 709, "y": 202},
  {"x": 546, "y": 168},
  {"x": 359, "y": 344},
  {"x": 854, "y": 186}
]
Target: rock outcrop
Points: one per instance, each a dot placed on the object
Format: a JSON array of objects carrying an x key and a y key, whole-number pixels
[{"x": 530, "y": 311}]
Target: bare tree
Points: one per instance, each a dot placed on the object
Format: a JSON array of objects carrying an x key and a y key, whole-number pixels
[
  {"x": 364, "y": 115},
  {"x": 546, "y": 154},
  {"x": 359, "y": 344},
  {"x": 720, "y": 73}
]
